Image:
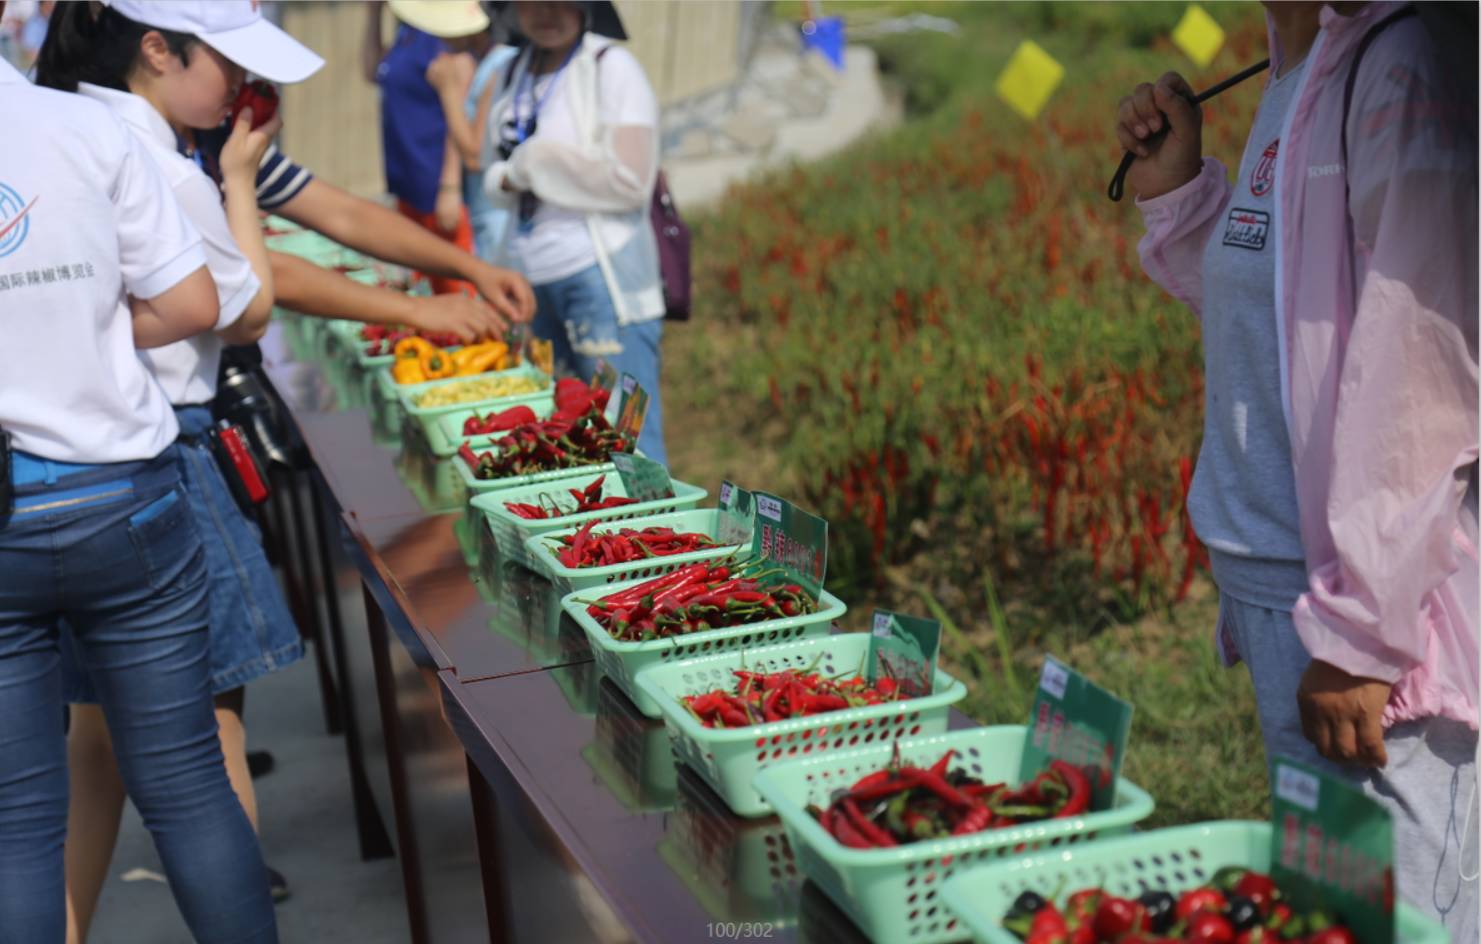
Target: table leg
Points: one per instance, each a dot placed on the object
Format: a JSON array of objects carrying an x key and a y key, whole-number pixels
[
  {"x": 490, "y": 858},
  {"x": 406, "y": 836},
  {"x": 332, "y": 720}
]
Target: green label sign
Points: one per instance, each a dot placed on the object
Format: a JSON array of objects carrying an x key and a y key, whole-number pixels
[
  {"x": 633, "y": 410},
  {"x": 904, "y": 648},
  {"x": 642, "y": 478},
  {"x": 737, "y": 514},
  {"x": 1077, "y": 721},
  {"x": 605, "y": 377},
  {"x": 1332, "y": 850},
  {"x": 792, "y": 538}
]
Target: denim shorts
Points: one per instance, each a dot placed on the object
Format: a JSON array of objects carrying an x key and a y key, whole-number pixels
[{"x": 252, "y": 631}]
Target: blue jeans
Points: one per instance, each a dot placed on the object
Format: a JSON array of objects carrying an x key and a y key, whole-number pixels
[
  {"x": 114, "y": 551},
  {"x": 252, "y": 631},
  {"x": 577, "y": 316}
]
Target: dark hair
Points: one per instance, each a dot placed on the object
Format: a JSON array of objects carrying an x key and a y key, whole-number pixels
[{"x": 98, "y": 49}]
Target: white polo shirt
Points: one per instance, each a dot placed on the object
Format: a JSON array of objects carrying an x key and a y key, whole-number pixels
[
  {"x": 187, "y": 369},
  {"x": 86, "y": 219}
]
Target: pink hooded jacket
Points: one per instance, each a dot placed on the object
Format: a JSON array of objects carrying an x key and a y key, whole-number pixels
[{"x": 1377, "y": 327}]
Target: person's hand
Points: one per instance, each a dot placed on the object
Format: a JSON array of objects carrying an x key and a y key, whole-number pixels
[
  {"x": 1342, "y": 714},
  {"x": 243, "y": 151},
  {"x": 1164, "y": 164},
  {"x": 507, "y": 291},
  {"x": 451, "y": 73},
  {"x": 448, "y": 210},
  {"x": 471, "y": 319}
]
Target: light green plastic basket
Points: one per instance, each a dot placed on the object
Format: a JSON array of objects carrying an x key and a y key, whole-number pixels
[
  {"x": 540, "y": 550},
  {"x": 623, "y": 661},
  {"x": 580, "y": 682},
  {"x": 347, "y": 334},
  {"x": 739, "y": 870},
  {"x": 320, "y": 250},
  {"x": 894, "y": 894},
  {"x": 426, "y": 417},
  {"x": 1175, "y": 860},
  {"x": 476, "y": 486},
  {"x": 512, "y": 533},
  {"x": 729, "y": 758},
  {"x": 631, "y": 754},
  {"x": 445, "y": 435}
]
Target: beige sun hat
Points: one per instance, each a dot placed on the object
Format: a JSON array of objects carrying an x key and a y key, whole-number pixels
[{"x": 446, "y": 19}]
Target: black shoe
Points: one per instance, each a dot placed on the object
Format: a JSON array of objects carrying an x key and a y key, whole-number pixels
[
  {"x": 260, "y": 764},
  {"x": 278, "y": 885}
]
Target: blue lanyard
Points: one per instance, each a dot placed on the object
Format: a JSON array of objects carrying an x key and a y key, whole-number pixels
[{"x": 524, "y": 128}]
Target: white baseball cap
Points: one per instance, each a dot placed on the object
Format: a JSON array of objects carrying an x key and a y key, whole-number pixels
[{"x": 234, "y": 28}]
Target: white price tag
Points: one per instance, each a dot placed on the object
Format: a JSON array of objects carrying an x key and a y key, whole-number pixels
[
  {"x": 1297, "y": 787},
  {"x": 769, "y": 507},
  {"x": 1054, "y": 679}
]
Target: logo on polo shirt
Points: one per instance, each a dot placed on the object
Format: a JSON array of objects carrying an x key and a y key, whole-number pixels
[
  {"x": 1262, "y": 178},
  {"x": 1246, "y": 229},
  {"x": 15, "y": 219}
]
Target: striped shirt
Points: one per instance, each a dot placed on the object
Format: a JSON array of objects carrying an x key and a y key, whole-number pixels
[{"x": 279, "y": 179}]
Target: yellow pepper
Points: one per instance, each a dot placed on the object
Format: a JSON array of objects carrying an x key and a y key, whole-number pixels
[
  {"x": 487, "y": 360},
  {"x": 437, "y": 364},
  {"x": 408, "y": 370},
  {"x": 508, "y": 360},
  {"x": 462, "y": 356},
  {"x": 541, "y": 353},
  {"x": 412, "y": 348}
]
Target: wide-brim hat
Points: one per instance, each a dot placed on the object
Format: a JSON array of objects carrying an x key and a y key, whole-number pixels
[
  {"x": 445, "y": 19},
  {"x": 602, "y": 17}
]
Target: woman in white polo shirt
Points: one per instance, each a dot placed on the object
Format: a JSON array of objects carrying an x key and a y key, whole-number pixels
[
  {"x": 94, "y": 525},
  {"x": 157, "y": 66}
]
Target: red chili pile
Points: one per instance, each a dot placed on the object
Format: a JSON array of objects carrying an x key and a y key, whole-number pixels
[
  {"x": 576, "y": 434},
  {"x": 587, "y": 499},
  {"x": 697, "y": 598},
  {"x": 903, "y": 804},
  {"x": 759, "y": 697},
  {"x": 381, "y": 340},
  {"x": 586, "y": 549},
  {"x": 499, "y": 422},
  {"x": 1239, "y": 906},
  {"x": 546, "y": 446}
]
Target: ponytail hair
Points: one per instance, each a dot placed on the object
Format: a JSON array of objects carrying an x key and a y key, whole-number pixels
[{"x": 88, "y": 42}]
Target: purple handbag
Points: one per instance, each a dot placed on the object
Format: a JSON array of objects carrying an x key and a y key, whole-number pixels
[{"x": 672, "y": 236}]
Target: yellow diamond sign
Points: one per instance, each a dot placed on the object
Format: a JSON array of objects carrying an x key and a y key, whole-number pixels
[
  {"x": 1030, "y": 78},
  {"x": 1198, "y": 36}
]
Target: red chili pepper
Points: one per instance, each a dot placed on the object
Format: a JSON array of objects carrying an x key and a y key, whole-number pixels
[
  {"x": 261, "y": 97},
  {"x": 1079, "y": 789},
  {"x": 866, "y": 826},
  {"x": 976, "y": 820},
  {"x": 939, "y": 768}
]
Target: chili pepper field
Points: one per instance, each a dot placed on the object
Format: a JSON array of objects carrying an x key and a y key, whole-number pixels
[{"x": 942, "y": 341}]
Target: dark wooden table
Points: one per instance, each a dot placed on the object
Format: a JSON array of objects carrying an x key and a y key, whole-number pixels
[{"x": 526, "y": 798}]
